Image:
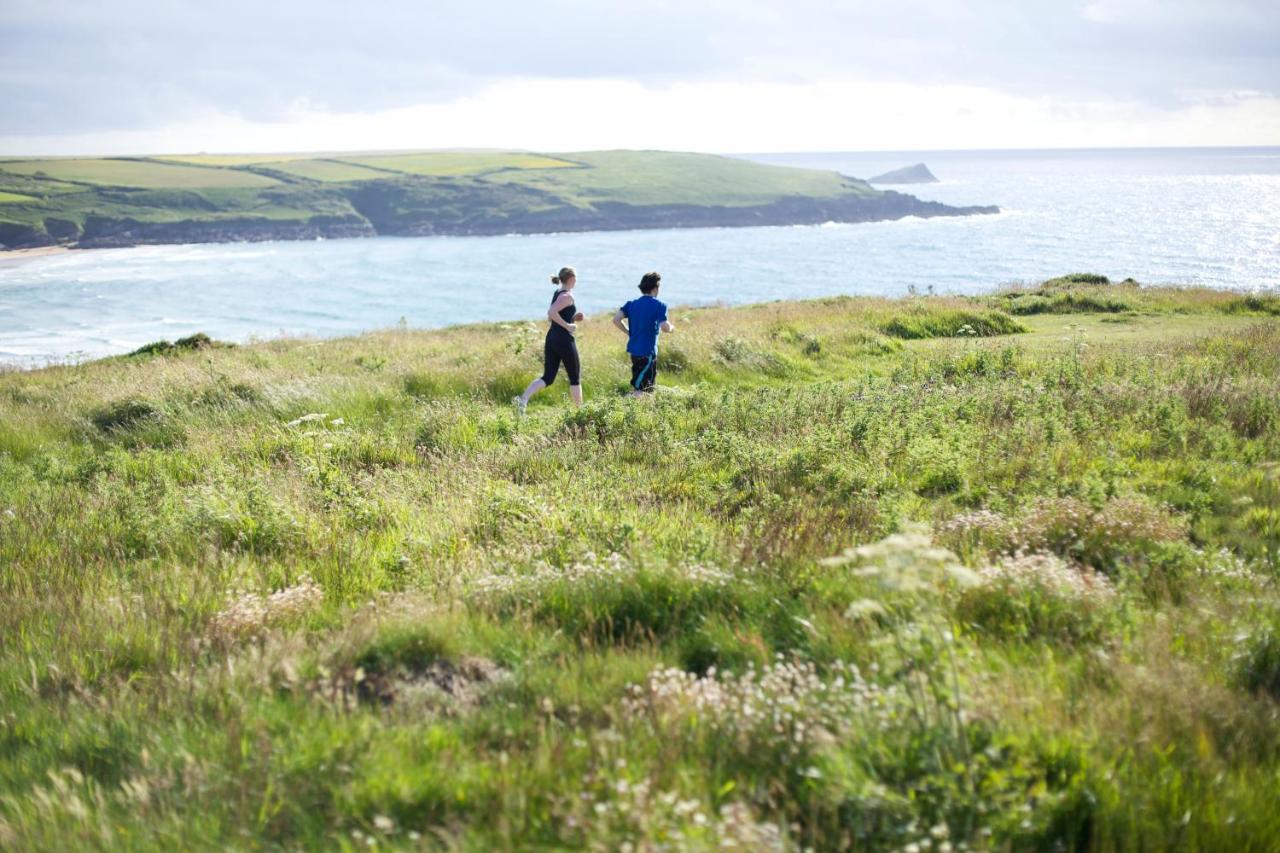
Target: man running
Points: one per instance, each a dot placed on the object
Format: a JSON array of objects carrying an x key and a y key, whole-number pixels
[{"x": 644, "y": 318}]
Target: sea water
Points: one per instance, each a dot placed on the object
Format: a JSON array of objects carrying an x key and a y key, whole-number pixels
[{"x": 1186, "y": 216}]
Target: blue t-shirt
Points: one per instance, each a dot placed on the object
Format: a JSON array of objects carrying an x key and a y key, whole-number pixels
[{"x": 645, "y": 317}]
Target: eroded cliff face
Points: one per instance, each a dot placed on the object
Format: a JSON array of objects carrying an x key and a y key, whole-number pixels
[
  {"x": 16, "y": 235},
  {"x": 101, "y": 233},
  {"x": 465, "y": 211}
]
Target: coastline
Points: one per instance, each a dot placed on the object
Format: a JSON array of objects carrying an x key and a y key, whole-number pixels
[
  {"x": 890, "y": 207},
  {"x": 388, "y": 220}
]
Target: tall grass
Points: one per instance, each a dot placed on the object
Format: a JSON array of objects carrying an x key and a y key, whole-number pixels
[{"x": 308, "y": 595}]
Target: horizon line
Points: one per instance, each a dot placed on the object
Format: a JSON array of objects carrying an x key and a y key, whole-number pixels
[{"x": 751, "y": 153}]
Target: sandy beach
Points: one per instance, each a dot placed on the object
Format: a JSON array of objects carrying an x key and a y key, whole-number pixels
[{"x": 39, "y": 251}]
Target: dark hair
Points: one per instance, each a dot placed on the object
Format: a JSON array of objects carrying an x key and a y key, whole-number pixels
[
  {"x": 649, "y": 282},
  {"x": 565, "y": 272}
]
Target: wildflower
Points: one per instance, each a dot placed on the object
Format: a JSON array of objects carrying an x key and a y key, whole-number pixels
[
  {"x": 1048, "y": 571},
  {"x": 786, "y": 706},
  {"x": 248, "y": 614},
  {"x": 308, "y": 418},
  {"x": 907, "y": 562},
  {"x": 590, "y": 571}
]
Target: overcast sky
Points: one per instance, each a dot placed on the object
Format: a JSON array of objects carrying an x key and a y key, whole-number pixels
[{"x": 157, "y": 76}]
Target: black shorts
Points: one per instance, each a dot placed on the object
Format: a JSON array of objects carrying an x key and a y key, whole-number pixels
[
  {"x": 644, "y": 371},
  {"x": 561, "y": 349}
]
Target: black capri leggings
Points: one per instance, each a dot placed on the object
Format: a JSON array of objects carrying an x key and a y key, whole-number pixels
[{"x": 560, "y": 350}]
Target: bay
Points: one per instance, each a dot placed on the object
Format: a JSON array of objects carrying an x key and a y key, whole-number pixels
[{"x": 1208, "y": 217}]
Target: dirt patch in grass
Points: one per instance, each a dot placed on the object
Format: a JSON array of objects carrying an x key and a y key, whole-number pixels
[{"x": 457, "y": 684}]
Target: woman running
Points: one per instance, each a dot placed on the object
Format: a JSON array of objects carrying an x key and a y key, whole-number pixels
[{"x": 560, "y": 347}]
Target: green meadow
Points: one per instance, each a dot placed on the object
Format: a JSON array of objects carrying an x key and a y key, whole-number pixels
[
  {"x": 325, "y": 171},
  {"x": 136, "y": 174},
  {"x": 991, "y": 573},
  {"x": 17, "y": 198}
]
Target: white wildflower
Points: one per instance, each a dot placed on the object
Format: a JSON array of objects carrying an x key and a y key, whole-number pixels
[
  {"x": 248, "y": 614},
  {"x": 1051, "y": 572},
  {"x": 308, "y": 418},
  {"x": 588, "y": 572}
]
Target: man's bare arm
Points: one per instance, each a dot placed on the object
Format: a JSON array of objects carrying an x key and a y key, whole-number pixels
[{"x": 618, "y": 319}]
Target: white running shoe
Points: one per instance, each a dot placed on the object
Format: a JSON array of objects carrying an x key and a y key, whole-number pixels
[{"x": 520, "y": 403}]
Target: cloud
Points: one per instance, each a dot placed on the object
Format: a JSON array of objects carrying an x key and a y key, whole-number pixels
[
  {"x": 566, "y": 115},
  {"x": 119, "y": 65}
]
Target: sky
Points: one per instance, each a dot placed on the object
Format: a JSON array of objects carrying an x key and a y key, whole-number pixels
[{"x": 172, "y": 76}]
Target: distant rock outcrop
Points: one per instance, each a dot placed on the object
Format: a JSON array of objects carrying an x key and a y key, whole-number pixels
[{"x": 917, "y": 174}]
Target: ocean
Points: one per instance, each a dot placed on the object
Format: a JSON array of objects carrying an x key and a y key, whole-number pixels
[{"x": 1208, "y": 217}]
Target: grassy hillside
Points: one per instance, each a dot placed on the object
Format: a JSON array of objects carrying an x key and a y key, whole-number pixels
[
  {"x": 663, "y": 177},
  {"x": 321, "y": 594},
  {"x": 201, "y": 198}
]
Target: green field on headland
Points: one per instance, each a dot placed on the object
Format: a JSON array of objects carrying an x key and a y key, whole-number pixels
[
  {"x": 332, "y": 594},
  {"x": 103, "y": 202}
]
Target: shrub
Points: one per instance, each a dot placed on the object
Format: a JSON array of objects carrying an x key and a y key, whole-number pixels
[
  {"x": 1077, "y": 293},
  {"x": 808, "y": 344},
  {"x": 1121, "y": 526},
  {"x": 405, "y": 645},
  {"x": 248, "y": 520},
  {"x": 124, "y": 414},
  {"x": 732, "y": 350},
  {"x": 197, "y": 341},
  {"x": 614, "y": 599},
  {"x": 1254, "y": 303},
  {"x": 673, "y": 359},
  {"x": 1066, "y": 302},
  {"x": 1257, "y": 663},
  {"x": 720, "y": 644},
  {"x": 1120, "y": 532},
  {"x": 137, "y": 423},
  {"x": 1088, "y": 278},
  {"x": 940, "y": 476},
  {"x": 926, "y": 323},
  {"x": 978, "y": 533},
  {"x": 506, "y": 384},
  {"x": 422, "y": 385},
  {"x": 453, "y": 427},
  {"x": 736, "y": 352},
  {"x": 1038, "y": 597},
  {"x": 1253, "y": 415},
  {"x": 866, "y": 342}
]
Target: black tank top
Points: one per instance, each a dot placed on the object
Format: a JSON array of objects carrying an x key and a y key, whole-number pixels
[{"x": 566, "y": 313}]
